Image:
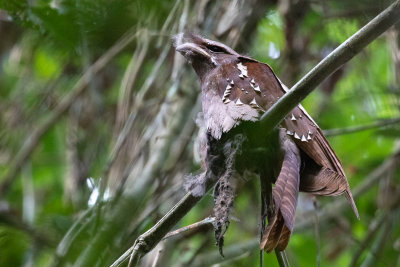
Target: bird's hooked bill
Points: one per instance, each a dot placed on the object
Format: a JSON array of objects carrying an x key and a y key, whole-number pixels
[{"x": 189, "y": 48}]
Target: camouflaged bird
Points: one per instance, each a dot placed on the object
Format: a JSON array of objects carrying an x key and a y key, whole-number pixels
[{"x": 237, "y": 89}]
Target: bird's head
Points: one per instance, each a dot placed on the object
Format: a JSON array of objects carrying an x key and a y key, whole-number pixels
[{"x": 204, "y": 55}]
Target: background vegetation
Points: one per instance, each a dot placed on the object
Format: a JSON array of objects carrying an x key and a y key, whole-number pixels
[{"x": 97, "y": 130}]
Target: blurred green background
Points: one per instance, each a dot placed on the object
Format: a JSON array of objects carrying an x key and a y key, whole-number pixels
[{"x": 97, "y": 130}]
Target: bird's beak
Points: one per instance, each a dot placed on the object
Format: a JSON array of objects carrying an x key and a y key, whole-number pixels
[{"x": 192, "y": 49}]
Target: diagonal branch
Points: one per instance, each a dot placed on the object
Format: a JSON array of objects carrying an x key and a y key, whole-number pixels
[
  {"x": 271, "y": 118},
  {"x": 149, "y": 239},
  {"x": 328, "y": 65},
  {"x": 354, "y": 129}
]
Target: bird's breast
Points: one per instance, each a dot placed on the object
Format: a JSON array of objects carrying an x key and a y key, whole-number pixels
[{"x": 221, "y": 114}]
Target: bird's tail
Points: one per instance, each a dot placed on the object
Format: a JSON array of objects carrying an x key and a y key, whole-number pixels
[{"x": 284, "y": 193}]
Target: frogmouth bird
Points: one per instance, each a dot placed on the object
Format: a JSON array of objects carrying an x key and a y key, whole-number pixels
[{"x": 236, "y": 90}]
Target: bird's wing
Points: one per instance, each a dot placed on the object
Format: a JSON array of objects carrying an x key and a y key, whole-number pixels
[{"x": 327, "y": 176}]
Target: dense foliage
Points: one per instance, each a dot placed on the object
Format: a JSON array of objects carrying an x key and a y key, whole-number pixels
[{"x": 97, "y": 128}]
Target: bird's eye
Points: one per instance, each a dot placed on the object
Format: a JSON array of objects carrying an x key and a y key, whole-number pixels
[{"x": 215, "y": 48}]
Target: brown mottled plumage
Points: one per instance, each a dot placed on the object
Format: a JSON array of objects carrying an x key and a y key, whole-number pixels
[{"x": 235, "y": 89}]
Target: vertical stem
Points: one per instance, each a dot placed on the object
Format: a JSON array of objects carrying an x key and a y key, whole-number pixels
[
  {"x": 316, "y": 231},
  {"x": 264, "y": 211},
  {"x": 282, "y": 258}
]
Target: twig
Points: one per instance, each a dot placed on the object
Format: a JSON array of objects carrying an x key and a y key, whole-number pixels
[
  {"x": 383, "y": 221},
  {"x": 266, "y": 208},
  {"x": 149, "y": 239},
  {"x": 210, "y": 258},
  {"x": 328, "y": 65},
  {"x": 354, "y": 129},
  {"x": 33, "y": 139},
  {"x": 379, "y": 244},
  {"x": 74, "y": 231},
  {"x": 208, "y": 220},
  {"x": 316, "y": 232},
  {"x": 365, "y": 243},
  {"x": 159, "y": 248},
  {"x": 205, "y": 244}
]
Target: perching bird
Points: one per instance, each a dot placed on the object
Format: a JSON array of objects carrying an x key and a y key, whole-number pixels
[{"x": 236, "y": 90}]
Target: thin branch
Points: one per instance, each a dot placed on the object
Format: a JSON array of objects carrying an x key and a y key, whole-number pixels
[
  {"x": 80, "y": 224},
  {"x": 354, "y": 129},
  {"x": 267, "y": 207},
  {"x": 208, "y": 220},
  {"x": 33, "y": 139},
  {"x": 328, "y": 65},
  {"x": 365, "y": 244},
  {"x": 271, "y": 118},
  {"x": 149, "y": 239},
  {"x": 231, "y": 252},
  {"x": 388, "y": 217},
  {"x": 159, "y": 248},
  {"x": 379, "y": 244},
  {"x": 203, "y": 246},
  {"x": 316, "y": 232}
]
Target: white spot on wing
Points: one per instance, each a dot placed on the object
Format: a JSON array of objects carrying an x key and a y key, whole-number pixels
[
  {"x": 242, "y": 69},
  {"x": 256, "y": 88},
  {"x": 227, "y": 92},
  {"x": 238, "y": 102}
]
